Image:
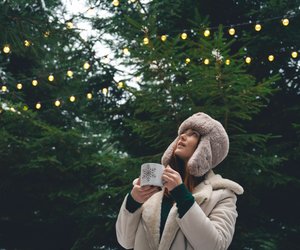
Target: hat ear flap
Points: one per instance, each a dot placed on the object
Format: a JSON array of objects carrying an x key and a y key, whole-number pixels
[
  {"x": 166, "y": 158},
  {"x": 201, "y": 160}
]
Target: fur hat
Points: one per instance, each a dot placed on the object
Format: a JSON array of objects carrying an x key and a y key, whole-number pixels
[{"x": 212, "y": 148}]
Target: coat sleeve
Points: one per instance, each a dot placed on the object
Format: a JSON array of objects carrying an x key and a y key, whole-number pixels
[
  {"x": 212, "y": 232},
  {"x": 126, "y": 225}
]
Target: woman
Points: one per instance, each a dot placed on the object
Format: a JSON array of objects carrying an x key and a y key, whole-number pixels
[{"x": 196, "y": 208}]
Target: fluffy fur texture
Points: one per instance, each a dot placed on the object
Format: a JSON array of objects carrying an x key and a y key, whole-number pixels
[{"x": 212, "y": 148}]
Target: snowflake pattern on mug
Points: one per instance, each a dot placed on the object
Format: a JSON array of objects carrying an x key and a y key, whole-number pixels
[{"x": 148, "y": 173}]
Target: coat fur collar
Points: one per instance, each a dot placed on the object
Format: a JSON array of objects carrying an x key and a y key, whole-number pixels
[{"x": 152, "y": 209}]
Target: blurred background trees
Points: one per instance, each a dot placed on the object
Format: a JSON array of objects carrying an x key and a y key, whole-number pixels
[{"x": 66, "y": 166}]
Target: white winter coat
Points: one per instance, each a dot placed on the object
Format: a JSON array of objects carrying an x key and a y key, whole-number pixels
[{"x": 208, "y": 225}]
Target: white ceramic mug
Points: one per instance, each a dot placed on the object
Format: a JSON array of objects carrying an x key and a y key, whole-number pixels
[{"x": 151, "y": 174}]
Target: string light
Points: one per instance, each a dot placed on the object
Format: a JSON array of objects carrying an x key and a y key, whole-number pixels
[
  {"x": 163, "y": 38},
  {"x": 69, "y": 25},
  {"x": 89, "y": 96},
  {"x": 38, "y": 105},
  {"x": 25, "y": 108},
  {"x": 227, "y": 61},
  {"x": 146, "y": 40},
  {"x": 47, "y": 34},
  {"x": 57, "y": 103},
  {"x": 126, "y": 51},
  {"x": 19, "y": 86},
  {"x": 206, "y": 33},
  {"x": 6, "y": 49},
  {"x": 285, "y": 22},
  {"x": 86, "y": 65},
  {"x": 116, "y": 3},
  {"x": 4, "y": 88},
  {"x": 27, "y": 43},
  {"x": 271, "y": 58},
  {"x": 34, "y": 83},
  {"x": 70, "y": 73},
  {"x": 206, "y": 61},
  {"x": 120, "y": 85},
  {"x": 184, "y": 36},
  {"x": 50, "y": 78},
  {"x": 105, "y": 91},
  {"x": 72, "y": 98},
  {"x": 258, "y": 27},
  {"x": 294, "y": 54},
  {"x": 187, "y": 60},
  {"x": 248, "y": 59},
  {"x": 231, "y": 31}
]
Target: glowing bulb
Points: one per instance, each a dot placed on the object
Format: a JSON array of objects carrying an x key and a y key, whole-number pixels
[
  {"x": 104, "y": 91},
  {"x": 69, "y": 25},
  {"x": 257, "y": 27},
  {"x": 12, "y": 109},
  {"x": 19, "y": 86},
  {"x": 57, "y": 103},
  {"x": 38, "y": 105},
  {"x": 248, "y": 59},
  {"x": 34, "y": 82},
  {"x": 120, "y": 85},
  {"x": 72, "y": 98},
  {"x": 227, "y": 62},
  {"x": 231, "y": 31},
  {"x": 47, "y": 33},
  {"x": 206, "y": 33},
  {"x": 70, "y": 73},
  {"x": 294, "y": 54},
  {"x": 86, "y": 65},
  {"x": 51, "y": 78},
  {"x": 4, "y": 88},
  {"x": 132, "y": 1},
  {"x": 115, "y": 3},
  {"x": 146, "y": 40},
  {"x": 187, "y": 60},
  {"x": 271, "y": 58},
  {"x": 27, "y": 43},
  {"x": 206, "y": 61},
  {"x": 126, "y": 51},
  {"x": 25, "y": 108},
  {"x": 89, "y": 95},
  {"x": 285, "y": 22},
  {"x": 183, "y": 36},
  {"x": 6, "y": 49},
  {"x": 163, "y": 38}
]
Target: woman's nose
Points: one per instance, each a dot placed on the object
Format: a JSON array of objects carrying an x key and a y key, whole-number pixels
[{"x": 183, "y": 136}]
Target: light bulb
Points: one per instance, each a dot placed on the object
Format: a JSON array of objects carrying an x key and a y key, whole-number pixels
[
  {"x": 69, "y": 25},
  {"x": 6, "y": 49},
  {"x": 146, "y": 40},
  {"x": 187, "y": 60},
  {"x": 25, "y": 108},
  {"x": 285, "y": 22},
  {"x": 115, "y": 3},
  {"x": 72, "y": 98},
  {"x": 120, "y": 85},
  {"x": 70, "y": 73},
  {"x": 231, "y": 31},
  {"x": 126, "y": 51},
  {"x": 294, "y": 54},
  {"x": 104, "y": 91},
  {"x": 206, "y": 33},
  {"x": 51, "y": 78},
  {"x": 38, "y": 105},
  {"x": 257, "y": 27},
  {"x": 19, "y": 86},
  {"x": 163, "y": 38},
  {"x": 248, "y": 59},
  {"x": 206, "y": 61},
  {"x": 34, "y": 82},
  {"x": 271, "y": 58},
  {"x": 183, "y": 36},
  {"x": 227, "y": 62},
  {"x": 4, "y": 88},
  {"x": 27, "y": 43},
  {"x": 57, "y": 103},
  {"x": 89, "y": 95},
  {"x": 46, "y": 34},
  {"x": 86, "y": 65}
]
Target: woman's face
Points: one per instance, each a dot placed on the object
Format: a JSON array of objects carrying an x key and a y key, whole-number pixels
[{"x": 186, "y": 145}]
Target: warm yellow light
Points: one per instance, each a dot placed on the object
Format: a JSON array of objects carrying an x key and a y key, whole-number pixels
[
  {"x": 6, "y": 49},
  {"x": 19, "y": 86},
  {"x": 70, "y": 73},
  {"x": 69, "y": 25},
  {"x": 86, "y": 65},
  {"x": 120, "y": 85},
  {"x": 294, "y": 54},
  {"x": 4, "y": 88},
  {"x": 72, "y": 98},
  {"x": 206, "y": 61},
  {"x": 25, "y": 108},
  {"x": 51, "y": 78},
  {"x": 38, "y": 105},
  {"x": 184, "y": 36},
  {"x": 257, "y": 27},
  {"x": 47, "y": 33},
  {"x": 231, "y": 31},
  {"x": 132, "y": 1},
  {"x": 116, "y": 3},
  {"x": 187, "y": 60},
  {"x": 104, "y": 91},
  {"x": 271, "y": 58},
  {"x": 163, "y": 38},
  {"x": 285, "y": 22},
  {"x": 89, "y": 96},
  {"x": 12, "y": 109},
  {"x": 146, "y": 40},
  {"x": 34, "y": 82},
  {"x": 227, "y": 61},
  {"x": 206, "y": 33},
  {"x": 126, "y": 51},
  {"x": 27, "y": 43},
  {"x": 248, "y": 59},
  {"x": 57, "y": 103}
]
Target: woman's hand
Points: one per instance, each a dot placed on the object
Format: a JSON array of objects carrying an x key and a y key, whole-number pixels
[
  {"x": 141, "y": 194},
  {"x": 171, "y": 178}
]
